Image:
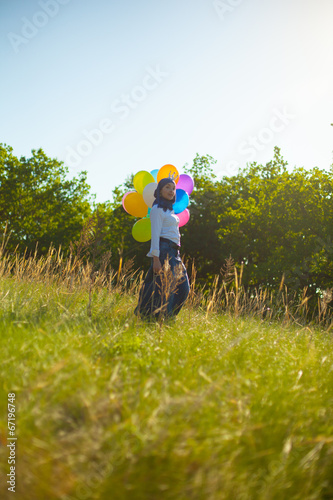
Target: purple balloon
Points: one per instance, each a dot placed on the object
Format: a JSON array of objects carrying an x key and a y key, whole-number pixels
[{"x": 186, "y": 183}]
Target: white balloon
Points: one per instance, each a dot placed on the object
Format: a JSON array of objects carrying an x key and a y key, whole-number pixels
[{"x": 148, "y": 193}]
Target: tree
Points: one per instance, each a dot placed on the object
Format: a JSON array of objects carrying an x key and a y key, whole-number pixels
[
  {"x": 38, "y": 203},
  {"x": 281, "y": 225}
]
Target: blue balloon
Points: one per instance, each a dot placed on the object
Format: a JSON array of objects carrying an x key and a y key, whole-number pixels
[
  {"x": 182, "y": 201},
  {"x": 154, "y": 173}
]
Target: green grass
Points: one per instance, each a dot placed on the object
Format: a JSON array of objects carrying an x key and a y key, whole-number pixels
[{"x": 209, "y": 407}]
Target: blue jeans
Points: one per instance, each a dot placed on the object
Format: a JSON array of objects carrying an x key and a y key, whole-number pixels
[{"x": 164, "y": 294}]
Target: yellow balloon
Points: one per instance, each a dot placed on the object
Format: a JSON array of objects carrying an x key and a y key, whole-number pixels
[
  {"x": 141, "y": 231},
  {"x": 168, "y": 171},
  {"x": 135, "y": 205},
  {"x": 141, "y": 179}
]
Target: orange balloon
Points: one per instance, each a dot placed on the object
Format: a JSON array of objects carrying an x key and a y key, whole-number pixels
[
  {"x": 135, "y": 205},
  {"x": 168, "y": 171}
]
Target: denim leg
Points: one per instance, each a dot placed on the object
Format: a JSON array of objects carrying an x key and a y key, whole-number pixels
[
  {"x": 180, "y": 284},
  {"x": 149, "y": 297},
  {"x": 179, "y": 293},
  {"x": 153, "y": 296}
]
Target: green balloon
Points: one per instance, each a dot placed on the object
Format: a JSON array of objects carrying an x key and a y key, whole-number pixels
[{"x": 141, "y": 231}]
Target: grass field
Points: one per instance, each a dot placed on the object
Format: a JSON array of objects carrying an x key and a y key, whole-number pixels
[{"x": 212, "y": 406}]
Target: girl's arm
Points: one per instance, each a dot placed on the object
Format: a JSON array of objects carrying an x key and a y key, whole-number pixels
[{"x": 156, "y": 227}]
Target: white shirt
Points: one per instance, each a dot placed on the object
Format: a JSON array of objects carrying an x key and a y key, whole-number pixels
[{"x": 163, "y": 225}]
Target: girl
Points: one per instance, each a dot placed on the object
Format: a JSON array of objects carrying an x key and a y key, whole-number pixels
[{"x": 166, "y": 286}]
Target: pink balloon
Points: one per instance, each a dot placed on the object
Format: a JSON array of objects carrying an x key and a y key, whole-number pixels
[
  {"x": 183, "y": 217},
  {"x": 186, "y": 183},
  {"x": 122, "y": 201}
]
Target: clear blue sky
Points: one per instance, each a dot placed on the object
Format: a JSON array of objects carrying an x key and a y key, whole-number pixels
[{"x": 164, "y": 80}]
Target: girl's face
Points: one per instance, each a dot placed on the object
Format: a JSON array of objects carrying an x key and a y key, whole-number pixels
[{"x": 168, "y": 191}]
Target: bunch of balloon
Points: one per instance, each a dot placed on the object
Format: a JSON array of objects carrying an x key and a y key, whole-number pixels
[{"x": 139, "y": 202}]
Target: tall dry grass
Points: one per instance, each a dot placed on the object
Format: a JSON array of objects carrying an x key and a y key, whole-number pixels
[{"x": 226, "y": 295}]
